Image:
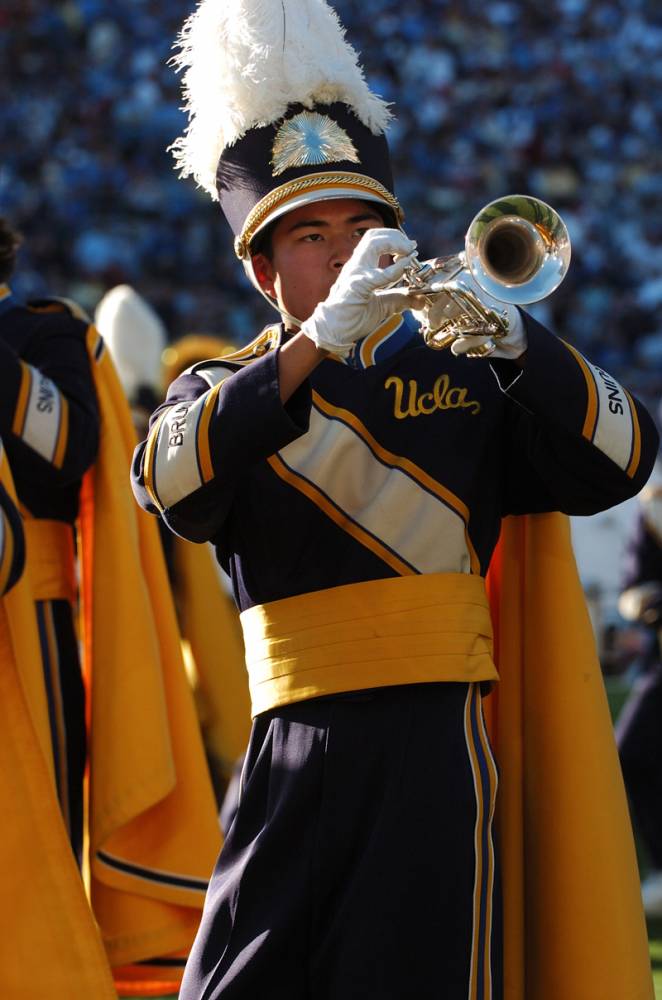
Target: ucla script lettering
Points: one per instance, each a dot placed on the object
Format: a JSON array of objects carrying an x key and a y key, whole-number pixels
[{"x": 444, "y": 396}]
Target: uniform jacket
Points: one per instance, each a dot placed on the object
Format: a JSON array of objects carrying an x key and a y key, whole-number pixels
[
  {"x": 405, "y": 462},
  {"x": 49, "y": 417},
  {"x": 402, "y": 462}
]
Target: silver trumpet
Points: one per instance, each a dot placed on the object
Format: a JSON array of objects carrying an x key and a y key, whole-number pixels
[{"x": 517, "y": 249}]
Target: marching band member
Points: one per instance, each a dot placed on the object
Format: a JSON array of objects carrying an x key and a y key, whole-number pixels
[
  {"x": 49, "y": 421},
  {"x": 354, "y": 484},
  {"x": 50, "y": 914},
  {"x": 152, "y": 830}
]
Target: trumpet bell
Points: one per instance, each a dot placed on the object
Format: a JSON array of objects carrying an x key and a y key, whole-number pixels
[{"x": 518, "y": 249}]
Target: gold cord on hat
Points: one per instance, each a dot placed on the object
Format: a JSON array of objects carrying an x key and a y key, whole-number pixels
[{"x": 351, "y": 185}]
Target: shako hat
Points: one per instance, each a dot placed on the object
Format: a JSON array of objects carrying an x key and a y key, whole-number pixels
[
  {"x": 135, "y": 336},
  {"x": 280, "y": 114}
]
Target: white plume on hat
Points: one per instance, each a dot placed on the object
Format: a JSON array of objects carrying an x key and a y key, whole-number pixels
[
  {"x": 246, "y": 61},
  {"x": 135, "y": 337}
]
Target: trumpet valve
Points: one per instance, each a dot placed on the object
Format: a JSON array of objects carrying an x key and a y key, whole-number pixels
[{"x": 438, "y": 340}]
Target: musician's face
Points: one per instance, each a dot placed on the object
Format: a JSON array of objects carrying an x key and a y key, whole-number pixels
[{"x": 310, "y": 245}]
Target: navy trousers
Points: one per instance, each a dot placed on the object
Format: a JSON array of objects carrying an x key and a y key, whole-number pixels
[
  {"x": 65, "y": 696},
  {"x": 360, "y": 862}
]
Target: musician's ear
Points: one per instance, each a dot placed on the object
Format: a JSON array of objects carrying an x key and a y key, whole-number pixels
[{"x": 265, "y": 273}]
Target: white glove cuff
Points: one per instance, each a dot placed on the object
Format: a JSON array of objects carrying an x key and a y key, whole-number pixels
[
  {"x": 317, "y": 330},
  {"x": 515, "y": 343}
]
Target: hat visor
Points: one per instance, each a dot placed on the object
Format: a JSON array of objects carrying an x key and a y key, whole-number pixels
[
  {"x": 308, "y": 190},
  {"x": 325, "y": 194}
]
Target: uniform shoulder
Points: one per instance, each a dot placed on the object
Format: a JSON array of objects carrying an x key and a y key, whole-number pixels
[
  {"x": 61, "y": 311},
  {"x": 215, "y": 369}
]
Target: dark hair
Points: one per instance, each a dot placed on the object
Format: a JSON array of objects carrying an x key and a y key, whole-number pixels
[
  {"x": 262, "y": 242},
  {"x": 10, "y": 241}
]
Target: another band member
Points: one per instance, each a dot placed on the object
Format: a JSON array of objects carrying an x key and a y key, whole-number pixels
[
  {"x": 152, "y": 830},
  {"x": 50, "y": 914},
  {"x": 49, "y": 421},
  {"x": 354, "y": 483}
]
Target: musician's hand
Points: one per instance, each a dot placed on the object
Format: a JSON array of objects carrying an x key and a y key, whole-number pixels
[
  {"x": 351, "y": 309},
  {"x": 476, "y": 308}
]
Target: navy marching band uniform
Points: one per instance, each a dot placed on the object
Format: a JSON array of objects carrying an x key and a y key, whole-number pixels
[
  {"x": 357, "y": 522},
  {"x": 403, "y": 468},
  {"x": 49, "y": 422}
]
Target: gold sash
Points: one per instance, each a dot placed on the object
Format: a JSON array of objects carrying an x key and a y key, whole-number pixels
[{"x": 404, "y": 630}]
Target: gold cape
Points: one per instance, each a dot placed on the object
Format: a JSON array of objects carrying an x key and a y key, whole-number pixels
[
  {"x": 50, "y": 943},
  {"x": 211, "y": 631},
  {"x": 153, "y": 830},
  {"x": 573, "y": 920},
  {"x": 573, "y": 917}
]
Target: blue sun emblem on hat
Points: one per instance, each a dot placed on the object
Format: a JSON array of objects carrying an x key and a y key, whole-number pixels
[{"x": 310, "y": 139}]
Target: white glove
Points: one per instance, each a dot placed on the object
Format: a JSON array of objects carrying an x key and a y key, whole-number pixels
[
  {"x": 511, "y": 346},
  {"x": 352, "y": 310}
]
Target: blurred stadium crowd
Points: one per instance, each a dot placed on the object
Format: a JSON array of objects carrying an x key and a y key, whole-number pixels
[{"x": 558, "y": 98}]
